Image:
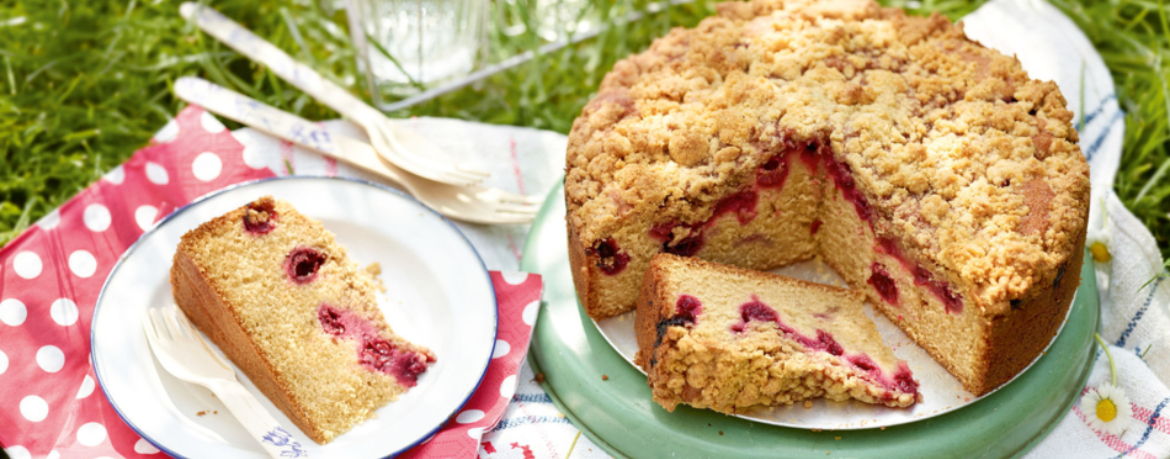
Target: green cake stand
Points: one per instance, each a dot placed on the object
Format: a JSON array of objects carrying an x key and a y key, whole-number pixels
[{"x": 618, "y": 415}]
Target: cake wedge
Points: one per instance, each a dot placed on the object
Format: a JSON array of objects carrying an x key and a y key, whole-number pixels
[
  {"x": 282, "y": 299},
  {"x": 726, "y": 338}
]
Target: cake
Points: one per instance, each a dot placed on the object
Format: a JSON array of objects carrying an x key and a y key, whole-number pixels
[
  {"x": 929, "y": 171},
  {"x": 725, "y": 338},
  {"x": 278, "y": 295}
]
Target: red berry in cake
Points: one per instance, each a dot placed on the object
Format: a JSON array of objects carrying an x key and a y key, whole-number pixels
[
  {"x": 843, "y": 179},
  {"x": 865, "y": 363},
  {"x": 408, "y": 367},
  {"x": 743, "y": 204},
  {"x": 816, "y": 225},
  {"x": 904, "y": 381},
  {"x": 941, "y": 290},
  {"x": 302, "y": 264},
  {"x": 610, "y": 259},
  {"x": 260, "y": 216},
  {"x": 378, "y": 354},
  {"x": 772, "y": 174},
  {"x": 330, "y": 319},
  {"x": 756, "y": 310},
  {"x": 809, "y": 155},
  {"x": 662, "y": 231},
  {"x": 882, "y": 282},
  {"x": 952, "y": 301},
  {"x": 687, "y": 247},
  {"x": 689, "y": 308},
  {"x": 830, "y": 345}
]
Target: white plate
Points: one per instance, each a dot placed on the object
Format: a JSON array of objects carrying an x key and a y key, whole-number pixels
[
  {"x": 438, "y": 295},
  {"x": 941, "y": 392}
]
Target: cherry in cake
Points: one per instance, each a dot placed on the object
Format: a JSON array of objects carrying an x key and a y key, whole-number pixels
[
  {"x": 930, "y": 172},
  {"x": 273, "y": 289},
  {"x": 725, "y": 338}
]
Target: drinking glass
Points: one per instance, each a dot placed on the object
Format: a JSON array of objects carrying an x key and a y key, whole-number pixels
[
  {"x": 561, "y": 19},
  {"x": 407, "y": 45}
]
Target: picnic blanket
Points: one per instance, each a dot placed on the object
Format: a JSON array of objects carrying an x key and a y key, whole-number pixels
[{"x": 1134, "y": 293}]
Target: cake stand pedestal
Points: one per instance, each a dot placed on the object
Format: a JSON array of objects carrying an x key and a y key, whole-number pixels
[{"x": 618, "y": 415}]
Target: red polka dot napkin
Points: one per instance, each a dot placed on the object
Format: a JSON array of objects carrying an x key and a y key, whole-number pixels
[{"x": 50, "y": 404}]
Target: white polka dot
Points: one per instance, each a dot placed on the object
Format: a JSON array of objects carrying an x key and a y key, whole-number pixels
[
  {"x": 86, "y": 388},
  {"x": 27, "y": 265},
  {"x": 209, "y": 123},
  {"x": 50, "y": 358},
  {"x": 167, "y": 133},
  {"x": 82, "y": 263},
  {"x": 144, "y": 447},
  {"x": 53, "y": 455},
  {"x": 50, "y": 220},
  {"x": 530, "y": 312},
  {"x": 91, "y": 434},
  {"x": 18, "y": 452},
  {"x": 96, "y": 217},
  {"x": 502, "y": 349},
  {"x": 12, "y": 312},
  {"x": 34, "y": 408},
  {"x": 156, "y": 174},
  {"x": 116, "y": 175},
  {"x": 469, "y": 416},
  {"x": 253, "y": 145},
  {"x": 508, "y": 387},
  {"x": 64, "y": 312},
  {"x": 476, "y": 433},
  {"x": 206, "y": 166},
  {"x": 145, "y": 216},
  {"x": 3, "y": 362},
  {"x": 514, "y": 278}
]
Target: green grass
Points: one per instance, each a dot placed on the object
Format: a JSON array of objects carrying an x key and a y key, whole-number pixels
[{"x": 84, "y": 84}]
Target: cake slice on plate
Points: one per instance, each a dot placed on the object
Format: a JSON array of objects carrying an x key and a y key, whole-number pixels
[
  {"x": 273, "y": 289},
  {"x": 725, "y": 338}
]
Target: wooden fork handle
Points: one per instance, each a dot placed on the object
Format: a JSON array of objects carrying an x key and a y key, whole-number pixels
[
  {"x": 277, "y": 441},
  {"x": 259, "y": 50},
  {"x": 283, "y": 125}
]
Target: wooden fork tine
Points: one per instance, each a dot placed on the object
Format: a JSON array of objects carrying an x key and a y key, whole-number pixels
[
  {"x": 517, "y": 209},
  {"x": 506, "y": 216},
  {"x": 520, "y": 198},
  {"x": 178, "y": 331},
  {"x": 148, "y": 325},
  {"x": 159, "y": 324}
]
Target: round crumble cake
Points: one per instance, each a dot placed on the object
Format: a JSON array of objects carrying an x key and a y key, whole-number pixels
[{"x": 931, "y": 172}]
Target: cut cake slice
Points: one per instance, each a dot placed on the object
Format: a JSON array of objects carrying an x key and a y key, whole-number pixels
[
  {"x": 273, "y": 289},
  {"x": 725, "y": 338}
]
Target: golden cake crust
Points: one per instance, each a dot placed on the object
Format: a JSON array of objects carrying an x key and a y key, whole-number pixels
[{"x": 970, "y": 162}]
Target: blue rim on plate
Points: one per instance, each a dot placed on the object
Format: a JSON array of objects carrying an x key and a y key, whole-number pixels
[{"x": 130, "y": 250}]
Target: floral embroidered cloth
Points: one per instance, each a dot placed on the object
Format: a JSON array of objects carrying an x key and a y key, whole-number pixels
[{"x": 1134, "y": 292}]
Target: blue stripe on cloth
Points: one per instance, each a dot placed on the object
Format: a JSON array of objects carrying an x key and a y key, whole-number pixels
[
  {"x": 531, "y": 398},
  {"x": 526, "y": 420},
  {"x": 1140, "y": 312},
  {"x": 1149, "y": 428},
  {"x": 1104, "y": 133},
  {"x": 1100, "y": 108}
]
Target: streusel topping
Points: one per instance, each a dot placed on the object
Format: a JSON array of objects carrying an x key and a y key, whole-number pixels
[{"x": 968, "y": 161}]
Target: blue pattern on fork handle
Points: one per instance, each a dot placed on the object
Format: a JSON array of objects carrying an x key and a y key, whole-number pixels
[{"x": 282, "y": 439}]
